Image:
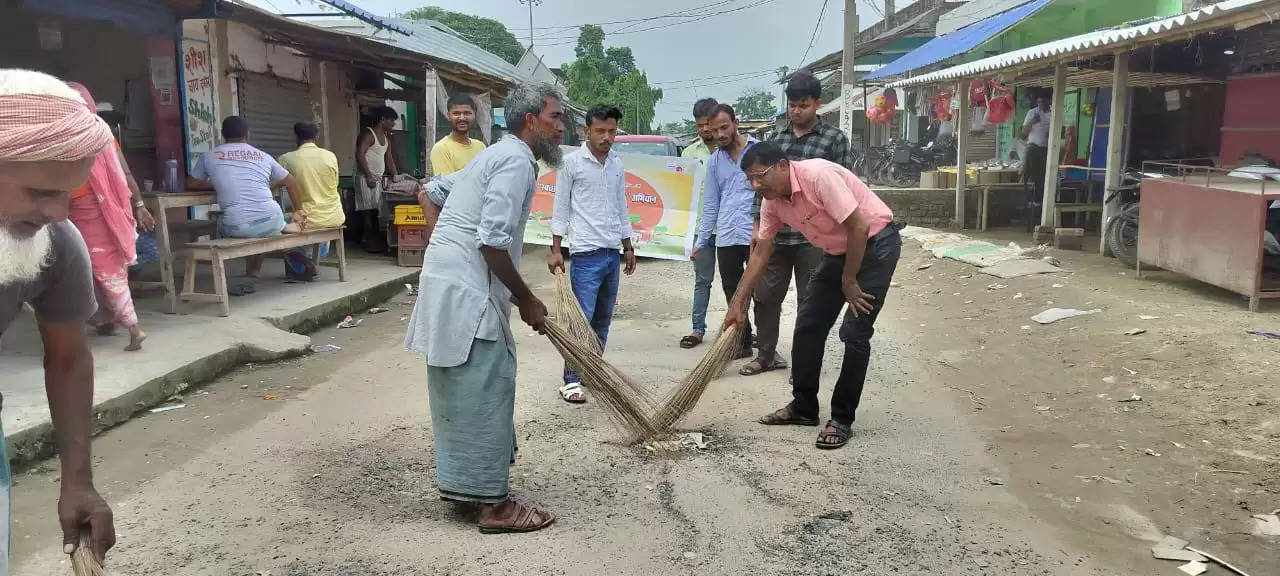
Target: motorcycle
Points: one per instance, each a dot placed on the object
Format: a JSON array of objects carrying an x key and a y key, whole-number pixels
[{"x": 1122, "y": 229}]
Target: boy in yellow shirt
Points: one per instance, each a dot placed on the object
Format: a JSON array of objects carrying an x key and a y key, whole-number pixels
[{"x": 453, "y": 152}]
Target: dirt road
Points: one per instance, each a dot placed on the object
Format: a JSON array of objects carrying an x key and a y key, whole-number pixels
[{"x": 955, "y": 467}]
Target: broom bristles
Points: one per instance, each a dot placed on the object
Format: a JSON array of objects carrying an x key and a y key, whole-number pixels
[
  {"x": 627, "y": 402},
  {"x": 83, "y": 562},
  {"x": 682, "y": 400},
  {"x": 569, "y": 313}
]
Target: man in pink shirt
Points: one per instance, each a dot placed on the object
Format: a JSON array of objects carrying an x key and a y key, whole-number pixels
[{"x": 859, "y": 239}]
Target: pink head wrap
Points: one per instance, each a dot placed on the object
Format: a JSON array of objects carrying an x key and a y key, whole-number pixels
[
  {"x": 38, "y": 127},
  {"x": 111, "y": 189}
]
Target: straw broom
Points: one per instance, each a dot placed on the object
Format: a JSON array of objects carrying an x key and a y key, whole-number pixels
[
  {"x": 569, "y": 314},
  {"x": 686, "y": 396},
  {"x": 627, "y": 402},
  {"x": 83, "y": 562}
]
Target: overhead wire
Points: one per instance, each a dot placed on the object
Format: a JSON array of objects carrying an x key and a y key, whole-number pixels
[{"x": 816, "y": 28}]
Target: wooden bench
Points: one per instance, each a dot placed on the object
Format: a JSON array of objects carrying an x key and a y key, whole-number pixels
[
  {"x": 217, "y": 252},
  {"x": 1060, "y": 209}
]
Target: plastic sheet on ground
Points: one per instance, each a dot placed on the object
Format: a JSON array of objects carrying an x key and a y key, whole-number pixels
[{"x": 1009, "y": 261}]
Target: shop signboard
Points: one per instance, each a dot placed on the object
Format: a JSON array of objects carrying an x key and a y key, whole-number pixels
[
  {"x": 662, "y": 197},
  {"x": 198, "y": 98}
]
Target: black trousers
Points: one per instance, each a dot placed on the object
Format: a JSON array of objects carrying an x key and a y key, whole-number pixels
[
  {"x": 733, "y": 263},
  {"x": 1034, "y": 168},
  {"x": 786, "y": 261},
  {"x": 818, "y": 313}
]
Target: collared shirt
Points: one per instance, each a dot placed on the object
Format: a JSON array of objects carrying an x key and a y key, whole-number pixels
[
  {"x": 823, "y": 141},
  {"x": 701, "y": 152},
  {"x": 459, "y": 298},
  {"x": 591, "y": 202},
  {"x": 449, "y": 155},
  {"x": 316, "y": 171},
  {"x": 823, "y": 195},
  {"x": 726, "y": 201}
]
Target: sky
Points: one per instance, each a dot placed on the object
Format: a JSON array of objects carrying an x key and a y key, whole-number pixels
[{"x": 736, "y": 47}]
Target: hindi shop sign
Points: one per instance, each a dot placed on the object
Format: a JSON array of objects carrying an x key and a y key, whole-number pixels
[
  {"x": 198, "y": 99},
  {"x": 663, "y": 194}
]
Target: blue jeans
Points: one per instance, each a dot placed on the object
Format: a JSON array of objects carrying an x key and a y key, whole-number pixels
[
  {"x": 594, "y": 276},
  {"x": 704, "y": 273}
]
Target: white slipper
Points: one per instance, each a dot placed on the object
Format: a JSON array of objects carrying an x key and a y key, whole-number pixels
[{"x": 573, "y": 393}]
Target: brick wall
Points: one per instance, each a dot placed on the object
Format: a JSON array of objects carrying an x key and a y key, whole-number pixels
[{"x": 929, "y": 208}]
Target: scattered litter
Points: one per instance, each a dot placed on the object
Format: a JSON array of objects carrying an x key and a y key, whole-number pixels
[
  {"x": 315, "y": 476},
  {"x": 325, "y": 348},
  {"x": 1055, "y": 314},
  {"x": 968, "y": 301},
  {"x": 1057, "y": 285},
  {"x": 1177, "y": 445},
  {"x": 1194, "y": 568},
  {"x": 1080, "y": 445},
  {"x": 270, "y": 397},
  {"x": 1096, "y": 478},
  {"x": 350, "y": 322},
  {"x": 1050, "y": 260},
  {"x": 244, "y": 386},
  {"x": 159, "y": 409},
  {"x": 925, "y": 266},
  {"x": 696, "y": 439},
  {"x": 1108, "y": 379},
  {"x": 841, "y": 515},
  {"x": 690, "y": 555},
  {"x": 1131, "y": 372},
  {"x": 1218, "y": 560},
  {"x": 1043, "y": 408},
  {"x": 965, "y": 276},
  {"x": 1017, "y": 296},
  {"x": 895, "y": 285},
  {"x": 1026, "y": 327},
  {"x": 409, "y": 288},
  {"x": 981, "y": 563},
  {"x": 1146, "y": 317},
  {"x": 1150, "y": 452},
  {"x": 378, "y": 310},
  {"x": 992, "y": 480},
  {"x": 1134, "y": 398},
  {"x": 648, "y": 487},
  {"x": 1265, "y": 334},
  {"x": 1135, "y": 332},
  {"x": 997, "y": 286},
  {"x": 1266, "y": 525},
  {"x": 1176, "y": 554}
]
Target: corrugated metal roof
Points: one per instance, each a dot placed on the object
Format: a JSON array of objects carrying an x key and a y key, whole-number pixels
[
  {"x": 433, "y": 39},
  {"x": 1101, "y": 39},
  {"x": 958, "y": 42},
  {"x": 859, "y": 103}
]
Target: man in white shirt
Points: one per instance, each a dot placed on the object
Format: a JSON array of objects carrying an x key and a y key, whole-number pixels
[
  {"x": 1035, "y": 130},
  {"x": 591, "y": 208}
]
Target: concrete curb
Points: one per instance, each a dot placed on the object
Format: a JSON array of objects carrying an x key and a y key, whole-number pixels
[{"x": 36, "y": 443}]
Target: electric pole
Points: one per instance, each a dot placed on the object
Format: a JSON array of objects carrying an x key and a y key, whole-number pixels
[
  {"x": 848, "y": 79},
  {"x": 531, "y": 4}
]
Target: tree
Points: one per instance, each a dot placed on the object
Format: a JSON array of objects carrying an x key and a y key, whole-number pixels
[
  {"x": 483, "y": 32},
  {"x": 678, "y": 128},
  {"x": 755, "y": 105},
  {"x": 610, "y": 76}
]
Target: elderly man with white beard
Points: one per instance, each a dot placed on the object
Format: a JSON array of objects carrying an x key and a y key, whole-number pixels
[{"x": 48, "y": 142}]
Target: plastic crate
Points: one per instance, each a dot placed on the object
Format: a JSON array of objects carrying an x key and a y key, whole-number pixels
[
  {"x": 409, "y": 215},
  {"x": 410, "y": 257},
  {"x": 411, "y": 236}
]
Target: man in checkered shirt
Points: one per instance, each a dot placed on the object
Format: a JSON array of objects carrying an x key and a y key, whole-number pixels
[{"x": 807, "y": 137}]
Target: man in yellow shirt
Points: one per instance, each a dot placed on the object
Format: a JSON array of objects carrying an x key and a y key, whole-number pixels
[
  {"x": 453, "y": 152},
  {"x": 316, "y": 171}
]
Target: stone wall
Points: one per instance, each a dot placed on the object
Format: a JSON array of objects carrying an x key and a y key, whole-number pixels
[{"x": 927, "y": 207}]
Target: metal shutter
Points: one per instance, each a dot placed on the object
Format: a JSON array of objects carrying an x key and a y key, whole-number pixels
[
  {"x": 272, "y": 106},
  {"x": 982, "y": 145}
]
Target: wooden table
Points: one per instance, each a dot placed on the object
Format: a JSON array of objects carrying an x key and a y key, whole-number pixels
[
  {"x": 159, "y": 204},
  {"x": 986, "y": 190}
]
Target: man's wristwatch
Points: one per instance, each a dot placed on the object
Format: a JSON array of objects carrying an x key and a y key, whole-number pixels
[{"x": 139, "y": 204}]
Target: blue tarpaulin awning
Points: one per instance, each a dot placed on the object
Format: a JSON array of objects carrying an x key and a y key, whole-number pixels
[{"x": 958, "y": 42}]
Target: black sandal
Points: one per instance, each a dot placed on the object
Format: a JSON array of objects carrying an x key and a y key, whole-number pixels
[
  {"x": 836, "y": 430},
  {"x": 691, "y": 341},
  {"x": 760, "y": 366},
  {"x": 776, "y": 418}
]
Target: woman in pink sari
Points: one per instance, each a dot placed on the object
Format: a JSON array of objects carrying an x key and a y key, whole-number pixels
[{"x": 104, "y": 211}]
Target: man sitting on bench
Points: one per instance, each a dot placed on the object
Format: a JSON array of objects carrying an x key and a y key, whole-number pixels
[{"x": 243, "y": 177}]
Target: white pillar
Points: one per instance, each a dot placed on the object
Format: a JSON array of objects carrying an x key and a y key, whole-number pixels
[
  {"x": 429, "y": 113},
  {"x": 961, "y": 125},
  {"x": 1055, "y": 146},
  {"x": 1116, "y": 129}
]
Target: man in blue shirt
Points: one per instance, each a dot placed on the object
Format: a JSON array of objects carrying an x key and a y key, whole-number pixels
[{"x": 727, "y": 198}]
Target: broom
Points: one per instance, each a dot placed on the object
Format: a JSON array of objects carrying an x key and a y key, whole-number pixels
[
  {"x": 686, "y": 396},
  {"x": 626, "y": 401},
  {"x": 83, "y": 562},
  {"x": 569, "y": 314}
]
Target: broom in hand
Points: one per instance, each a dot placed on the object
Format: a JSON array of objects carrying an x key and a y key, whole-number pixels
[
  {"x": 83, "y": 562},
  {"x": 686, "y": 396}
]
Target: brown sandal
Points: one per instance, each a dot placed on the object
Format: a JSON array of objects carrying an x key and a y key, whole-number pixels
[
  {"x": 784, "y": 417},
  {"x": 692, "y": 340},
  {"x": 760, "y": 366},
  {"x": 834, "y": 435},
  {"x": 524, "y": 519}
]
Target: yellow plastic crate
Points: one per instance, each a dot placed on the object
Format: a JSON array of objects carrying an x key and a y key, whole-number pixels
[{"x": 409, "y": 215}]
